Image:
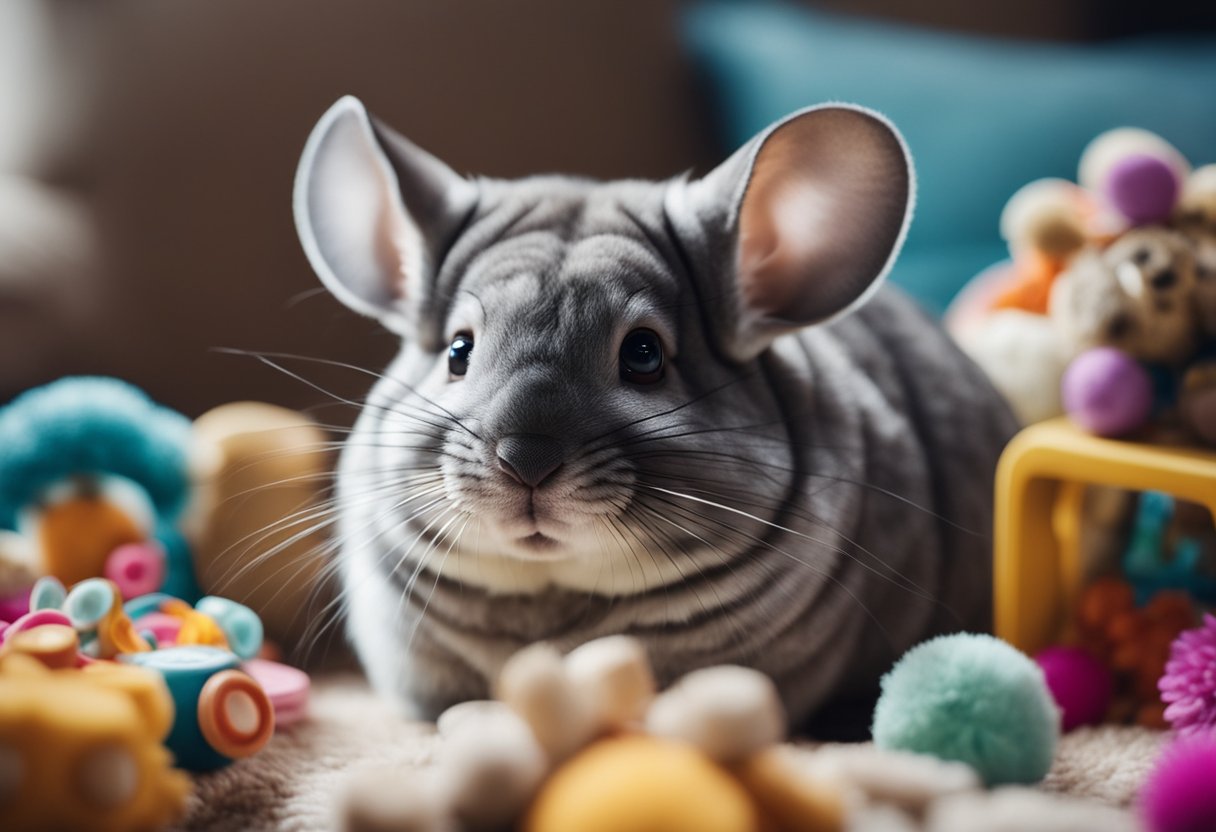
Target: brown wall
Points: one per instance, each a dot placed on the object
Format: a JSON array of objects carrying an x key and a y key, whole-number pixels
[{"x": 207, "y": 104}]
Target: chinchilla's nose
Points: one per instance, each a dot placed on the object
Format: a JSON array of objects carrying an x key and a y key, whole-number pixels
[{"x": 528, "y": 458}]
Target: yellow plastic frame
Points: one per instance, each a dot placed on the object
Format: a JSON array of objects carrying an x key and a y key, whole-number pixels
[{"x": 1040, "y": 481}]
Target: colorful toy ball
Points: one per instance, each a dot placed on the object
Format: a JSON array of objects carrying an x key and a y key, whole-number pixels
[
  {"x": 1178, "y": 794},
  {"x": 1081, "y": 685},
  {"x": 1188, "y": 686},
  {"x": 1107, "y": 392},
  {"x": 1143, "y": 188},
  {"x": 974, "y": 699}
]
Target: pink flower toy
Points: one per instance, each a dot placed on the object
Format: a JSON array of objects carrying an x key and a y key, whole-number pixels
[{"x": 1188, "y": 686}]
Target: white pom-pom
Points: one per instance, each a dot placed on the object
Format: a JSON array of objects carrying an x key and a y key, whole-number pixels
[
  {"x": 728, "y": 712},
  {"x": 395, "y": 799},
  {"x": 490, "y": 768},
  {"x": 534, "y": 683},
  {"x": 910, "y": 781},
  {"x": 1024, "y": 356},
  {"x": 612, "y": 676}
]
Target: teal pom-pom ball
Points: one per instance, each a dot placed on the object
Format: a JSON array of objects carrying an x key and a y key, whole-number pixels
[{"x": 974, "y": 699}]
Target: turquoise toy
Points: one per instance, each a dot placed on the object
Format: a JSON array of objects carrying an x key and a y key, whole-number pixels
[
  {"x": 221, "y": 713},
  {"x": 87, "y": 433},
  {"x": 974, "y": 699},
  {"x": 241, "y": 625},
  {"x": 1150, "y": 568}
]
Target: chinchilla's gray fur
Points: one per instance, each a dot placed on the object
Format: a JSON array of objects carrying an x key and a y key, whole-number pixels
[{"x": 811, "y": 509}]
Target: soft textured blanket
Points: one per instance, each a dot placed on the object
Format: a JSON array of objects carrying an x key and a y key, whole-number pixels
[{"x": 296, "y": 783}]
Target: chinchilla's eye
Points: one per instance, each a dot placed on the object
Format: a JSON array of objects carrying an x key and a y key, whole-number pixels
[
  {"x": 458, "y": 354},
  {"x": 642, "y": 357}
]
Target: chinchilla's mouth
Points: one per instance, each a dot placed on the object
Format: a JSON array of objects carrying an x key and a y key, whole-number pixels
[{"x": 539, "y": 542}]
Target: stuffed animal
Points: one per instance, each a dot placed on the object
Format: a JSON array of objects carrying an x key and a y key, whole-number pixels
[{"x": 1124, "y": 260}]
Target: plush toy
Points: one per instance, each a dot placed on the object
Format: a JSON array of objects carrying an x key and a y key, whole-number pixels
[
  {"x": 1125, "y": 260},
  {"x": 89, "y": 467},
  {"x": 971, "y": 698},
  {"x": 1178, "y": 795}
]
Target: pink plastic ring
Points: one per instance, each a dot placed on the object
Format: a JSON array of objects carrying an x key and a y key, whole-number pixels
[{"x": 137, "y": 568}]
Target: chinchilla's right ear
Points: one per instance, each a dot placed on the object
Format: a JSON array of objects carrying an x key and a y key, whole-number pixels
[{"x": 374, "y": 213}]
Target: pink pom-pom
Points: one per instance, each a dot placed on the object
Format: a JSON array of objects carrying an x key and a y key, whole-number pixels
[
  {"x": 1188, "y": 685},
  {"x": 1107, "y": 392},
  {"x": 1081, "y": 685},
  {"x": 137, "y": 568},
  {"x": 1143, "y": 188},
  {"x": 1178, "y": 795}
]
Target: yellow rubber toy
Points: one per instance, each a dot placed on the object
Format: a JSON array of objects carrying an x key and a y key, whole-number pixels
[
  {"x": 81, "y": 749},
  {"x": 642, "y": 784},
  {"x": 1039, "y": 485}
]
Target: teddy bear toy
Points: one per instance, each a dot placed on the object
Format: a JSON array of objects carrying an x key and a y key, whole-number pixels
[{"x": 1108, "y": 309}]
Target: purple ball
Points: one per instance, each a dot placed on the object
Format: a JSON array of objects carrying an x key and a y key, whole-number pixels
[
  {"x": 1178, "y": 795},
  {"x": 1081, "y": 685},
  {"x": 1143, "y": 188},
  {"x": 1107, "y": 392}
]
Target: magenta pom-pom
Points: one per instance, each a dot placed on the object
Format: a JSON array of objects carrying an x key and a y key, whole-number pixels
[
  {"x": 1143, "y": 188},
  {"x": 1107, "y": 392},
  {"x": 1178, "y": 795},
  {"x": 1081, "y": 685},
  {"x": 1188, "y": 686}
]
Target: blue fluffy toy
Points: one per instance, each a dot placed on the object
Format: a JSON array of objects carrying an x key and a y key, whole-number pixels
[
  {"x": 974, "y": 699},
  {"x": 91, "y": 425}
]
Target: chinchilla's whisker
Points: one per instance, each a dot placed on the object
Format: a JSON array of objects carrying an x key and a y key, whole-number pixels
[
  {"x": 723, "y": 560},
  {"x": 892, "y": 574},
  {"x": 267, "y": 358},
  {"x": 290, "y": 541},
  {"x": 904, "y": 583},
  {"x": 676, "y": 409},
  {"x": 331, "y": 613},
  {"x": 438, "y": 572},
  {"x": 726, "y": 528}
]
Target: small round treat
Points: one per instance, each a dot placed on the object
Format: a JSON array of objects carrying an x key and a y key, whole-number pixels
[
  {"x": 728, "y": 712},
  {"x": 1107, "y": 392},
  {"x": 614, "y": 675},
  {"x": 534, "y": 683},
  {"x": 1109, "y": 149},
  {"x": 1178, "y": 794},
  {"x": 1081, "y": 685},
  {"x": 1143, "y": 188},
  {"x": 974, "y": 699},
  {"x": 642, "y": 783}
]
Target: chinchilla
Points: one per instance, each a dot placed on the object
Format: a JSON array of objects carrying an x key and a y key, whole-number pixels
[{"x": 681, "y": 410}]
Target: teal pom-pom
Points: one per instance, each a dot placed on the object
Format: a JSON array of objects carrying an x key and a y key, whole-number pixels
[
  {"x": 974, "y": 699},
  {"x": 91, "y": 425}
]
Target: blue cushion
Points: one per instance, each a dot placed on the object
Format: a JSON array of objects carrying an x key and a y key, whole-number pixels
[{"x": 982, "y": 116}]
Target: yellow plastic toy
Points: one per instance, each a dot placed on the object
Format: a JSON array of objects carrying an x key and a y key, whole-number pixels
[
  {"x": 81, "y": 749},
  {"x": 1040, "y": 484}
]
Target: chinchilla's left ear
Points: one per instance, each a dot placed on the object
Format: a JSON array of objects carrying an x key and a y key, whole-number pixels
[
  {"x": 799, "y": 225},
  {"x": 375, "y": 213}
]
